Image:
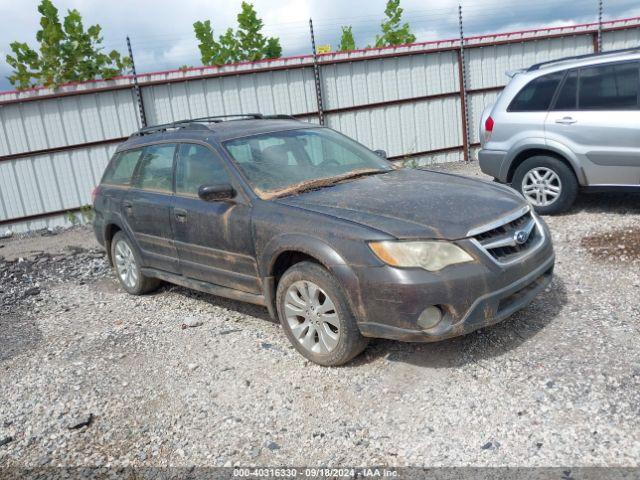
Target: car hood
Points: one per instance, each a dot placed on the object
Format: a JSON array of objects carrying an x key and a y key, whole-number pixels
[{"x": 410, "y": 203}]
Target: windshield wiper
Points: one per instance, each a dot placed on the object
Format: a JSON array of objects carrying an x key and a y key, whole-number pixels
[
  {"x": 362, "y": 174},
  {"x": 326, "y": 182}
]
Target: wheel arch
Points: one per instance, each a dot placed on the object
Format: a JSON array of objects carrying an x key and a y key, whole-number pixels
[
  {"x": 548, "y": 151},
  {"x": 285, "y": 251},
  {"x": 110, "y": 231}
]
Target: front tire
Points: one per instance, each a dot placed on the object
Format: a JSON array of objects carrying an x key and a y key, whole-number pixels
[
  {"x": 546, "y": 183},
  {"x": 316, "y": 317},
  {"x": 127, "y": 266}
]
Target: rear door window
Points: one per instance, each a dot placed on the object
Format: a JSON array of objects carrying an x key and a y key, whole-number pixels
[
  {"x": 155, "y": 172},
  {"x": 609, "y": 87},
  {"x": 536, "y": 95},
  {"x": 121, "y": 168}
]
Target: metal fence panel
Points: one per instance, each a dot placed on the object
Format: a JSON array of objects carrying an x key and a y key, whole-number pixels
[
  {"x": 486, "y": 66},
  {"x": 405, "y": 129},
  {"x": 72, "y": 120},
  {"x": 359, "y": 83},
  {"x": 621, "y": 39},
  {"x": 282, "y": 91},
  {"x": 51, "y": 182}
]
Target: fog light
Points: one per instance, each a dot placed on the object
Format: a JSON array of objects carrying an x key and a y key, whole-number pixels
[{"x": 429, "y": 317}]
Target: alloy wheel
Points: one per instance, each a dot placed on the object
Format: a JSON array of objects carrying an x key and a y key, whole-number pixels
[
  {"x": 312, "y": 317},
  {"x": 541, "y": 186},
  {"x": 126, "y": 264}
]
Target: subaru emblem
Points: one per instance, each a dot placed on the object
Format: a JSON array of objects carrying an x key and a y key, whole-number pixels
[{"x": 521, "y": 237}]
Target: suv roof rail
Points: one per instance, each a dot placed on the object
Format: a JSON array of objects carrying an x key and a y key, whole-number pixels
[
  {"x": 580, "y": 57},
  {"x": 199, "y": 123}
]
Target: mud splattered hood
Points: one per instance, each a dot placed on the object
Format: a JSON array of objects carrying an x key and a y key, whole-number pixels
[{"x": 409, "y": 203}]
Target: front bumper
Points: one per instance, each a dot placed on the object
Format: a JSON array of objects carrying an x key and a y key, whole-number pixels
[
  {"x": 492, "y": 162},
  {"x": 472, "y": 296}
]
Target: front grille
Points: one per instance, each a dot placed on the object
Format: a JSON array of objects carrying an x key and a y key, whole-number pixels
[{"x": 501, "y": 242}]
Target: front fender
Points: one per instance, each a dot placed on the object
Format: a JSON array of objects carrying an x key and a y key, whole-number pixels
[{"x": 324, "y": 253}]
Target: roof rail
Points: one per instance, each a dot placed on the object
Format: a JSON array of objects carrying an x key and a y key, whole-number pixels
[
  {"x": 199, "y": 123},
  {"x": 580, "y": 57},
  {"x": 167, "y": 126},
  {"x": 279, "y": 116}
]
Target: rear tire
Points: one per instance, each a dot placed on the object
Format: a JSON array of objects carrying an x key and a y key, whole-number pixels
[
  {"x": 126, "y": 263},
  {"x": 316, "y": 317},
  {"x": 547, "y": 183}
]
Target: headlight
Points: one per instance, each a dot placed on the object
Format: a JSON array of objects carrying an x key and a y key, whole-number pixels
[{"x": 430, "y": 255}]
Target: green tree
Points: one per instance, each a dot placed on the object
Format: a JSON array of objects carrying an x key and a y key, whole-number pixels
[
  {"x": 393, "y": 32},
  {"x": 212, "y": 51},
  {"x": 67, "y": 53},
  {"x": 347, "y": 42},
  {"x": 247, "y": 43}
]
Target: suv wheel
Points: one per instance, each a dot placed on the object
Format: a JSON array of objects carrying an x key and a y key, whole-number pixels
[
  {"x": 127, "y": 266},
  {"x": 316, "y": 317},
  {"x": 546, "y": 183}
]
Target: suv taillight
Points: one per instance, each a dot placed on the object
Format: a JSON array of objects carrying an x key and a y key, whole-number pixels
[
  {"x": 488, "y": 128},
  {"x": 488, "y": 125}
]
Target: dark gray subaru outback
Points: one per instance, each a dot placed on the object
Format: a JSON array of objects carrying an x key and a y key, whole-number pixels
[{"x": 329, "y": 236}]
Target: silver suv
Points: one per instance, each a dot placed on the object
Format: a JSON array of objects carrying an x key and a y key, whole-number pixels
[{"x": 564, "y": 125}]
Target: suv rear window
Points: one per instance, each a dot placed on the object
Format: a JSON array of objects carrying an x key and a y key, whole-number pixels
[
  {"x": 120, "y": 170},
  {"x": 609, "y": 87},
  {"x": 537, "y": 94}
]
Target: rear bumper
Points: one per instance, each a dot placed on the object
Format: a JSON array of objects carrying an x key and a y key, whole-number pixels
[
  {"x": 492, "y": 162},
  {"x": 471, "y": 296}
]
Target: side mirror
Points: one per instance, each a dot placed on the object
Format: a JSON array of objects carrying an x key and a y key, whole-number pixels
[
  {"x": 220, "y": 191},
  {"x": 381, "y": 153}
]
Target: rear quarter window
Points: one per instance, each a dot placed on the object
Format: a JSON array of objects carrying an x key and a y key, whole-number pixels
[
  {"x": 120, "y": 169},
  {"x": 536, "y": 95}
]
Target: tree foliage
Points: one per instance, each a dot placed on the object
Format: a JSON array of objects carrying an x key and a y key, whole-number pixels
[
  {"x": 393, "y": 31},
  {"x": 67, "y": 53},
  {"x": 247, "y": 43},
  {"x": 347, "y": 42}
]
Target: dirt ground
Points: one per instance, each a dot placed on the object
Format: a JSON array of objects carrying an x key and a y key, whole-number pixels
[{"x": 93, "y": 376}]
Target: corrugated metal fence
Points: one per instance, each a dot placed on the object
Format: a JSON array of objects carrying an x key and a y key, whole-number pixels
[{"x": 54, "y": 145}]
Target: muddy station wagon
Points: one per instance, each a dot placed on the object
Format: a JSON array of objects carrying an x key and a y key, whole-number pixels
[{"x": 326, "y": 234}]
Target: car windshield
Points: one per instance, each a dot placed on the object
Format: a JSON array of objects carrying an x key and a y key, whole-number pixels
[{"x": 290, "y": 161}]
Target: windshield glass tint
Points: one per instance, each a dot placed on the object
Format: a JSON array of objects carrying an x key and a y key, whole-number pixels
[{"x": 275, "y": 163}]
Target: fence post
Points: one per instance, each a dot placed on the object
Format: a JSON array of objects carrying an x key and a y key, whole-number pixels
[
  {"x": 136, "y": 87},
  {"x": 316, "y": 74},
  {"x": 599, "y": 26},
  {"x": 462, "y": 75}
]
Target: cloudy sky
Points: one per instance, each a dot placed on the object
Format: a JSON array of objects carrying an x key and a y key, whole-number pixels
[{"x": 162, "y": 33}]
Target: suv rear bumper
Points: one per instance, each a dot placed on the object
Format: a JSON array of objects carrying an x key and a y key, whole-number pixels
[{"x": 492, "y": 162}]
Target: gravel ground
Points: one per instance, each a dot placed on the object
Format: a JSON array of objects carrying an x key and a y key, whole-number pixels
[{"x": 93, "y": 376}]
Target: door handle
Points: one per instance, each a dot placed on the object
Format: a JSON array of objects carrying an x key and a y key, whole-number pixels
[
  {"x": 181, "y": 215},
  {"x": 566, "y": 120},
  {"x": 127, "y": 206}
]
